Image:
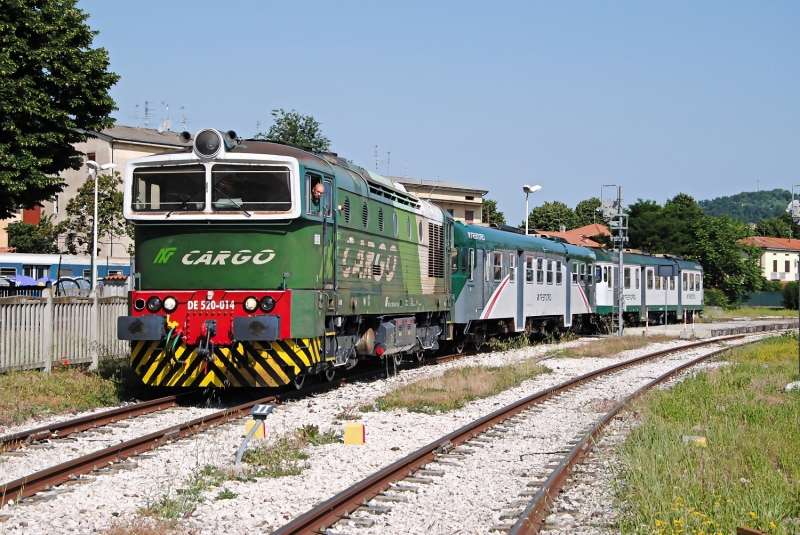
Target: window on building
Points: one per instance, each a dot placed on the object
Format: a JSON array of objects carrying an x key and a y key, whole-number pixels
[
  {"x": 774, "y": 265},
  {"x": 469, "y": 216},
  {"x": 91, "y": 156},
  {"x": 498, "y": 266},
  {"x": 787, "y": 266},
  {"x": 512, "y": 266},
  {"x": 469, "y": 197}
]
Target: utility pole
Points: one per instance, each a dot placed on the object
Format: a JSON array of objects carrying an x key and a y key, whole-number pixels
[
  {"x": 794, "y": 211},
  {"x": 616, "y": 218}
]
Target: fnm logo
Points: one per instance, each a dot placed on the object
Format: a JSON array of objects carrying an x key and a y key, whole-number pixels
[{"x": 164, "y": 255}]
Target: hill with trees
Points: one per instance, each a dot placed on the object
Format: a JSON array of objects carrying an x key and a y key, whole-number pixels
[{"x": 749, "y": 206}]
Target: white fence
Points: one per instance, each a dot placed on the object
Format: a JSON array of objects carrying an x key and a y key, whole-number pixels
[{"x": 40, "y": 332}]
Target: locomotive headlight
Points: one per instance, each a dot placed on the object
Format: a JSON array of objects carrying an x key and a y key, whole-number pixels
[
  {"x": 154, "y": 304},
  {"x": 267, "y": 303},
  {"x": 170, "y": 304},
  {"x": 251, "y": 304},
  {"x": 207, "y": 143},
  {"x": 139, "y": 304}
]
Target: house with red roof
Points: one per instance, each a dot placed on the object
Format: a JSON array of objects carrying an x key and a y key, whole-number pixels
[
  {"x": 577, "y": 236},
  {"x": 778, "y": 257}
]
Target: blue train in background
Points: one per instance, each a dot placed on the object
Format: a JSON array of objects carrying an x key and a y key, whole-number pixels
[{"x": 24, "y": 269}]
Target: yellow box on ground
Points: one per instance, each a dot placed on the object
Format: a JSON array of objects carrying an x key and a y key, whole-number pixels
[
  {"x": 354, "y": 433},
  {"x": 259, "y": 432}
]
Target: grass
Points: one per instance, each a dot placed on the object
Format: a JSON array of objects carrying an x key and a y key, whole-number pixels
[
  {"x": 456, "y": 387},
  {"x": 143, "y": 526},
  {"x": 612, "y": 345},
  {"x": 749, "y": 312},
  {"x": 286, "y": 456},
  {"x": 749, "y": 475},
  {"x": 25, "y": 394}
]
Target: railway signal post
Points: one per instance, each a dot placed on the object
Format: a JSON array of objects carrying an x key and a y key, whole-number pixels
[
  {"x": 794, "y": 211},
  {"x": 614, "y": 215}
]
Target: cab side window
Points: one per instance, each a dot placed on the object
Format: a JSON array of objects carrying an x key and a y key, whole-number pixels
[{"x": 498, "y": 266}]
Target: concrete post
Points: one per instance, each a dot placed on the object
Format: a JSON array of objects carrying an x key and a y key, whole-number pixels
[
  {"x": 94, "y": 342},
  {"x": 47, "y": 327}
]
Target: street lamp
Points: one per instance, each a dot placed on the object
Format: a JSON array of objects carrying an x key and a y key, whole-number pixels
[
  {"x": 93, "y": 169},
  {"x": 528, "y": 190}
]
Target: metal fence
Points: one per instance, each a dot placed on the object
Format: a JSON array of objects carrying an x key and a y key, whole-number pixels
[{"x": 39, "y": 332}]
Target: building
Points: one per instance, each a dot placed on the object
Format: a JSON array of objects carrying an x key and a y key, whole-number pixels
[
  {"x": 117, "y": 144},
  {"x": 577, "y": 236},
  {"x": 778, "y": 257},
  {"x": 462, "y": 202}
]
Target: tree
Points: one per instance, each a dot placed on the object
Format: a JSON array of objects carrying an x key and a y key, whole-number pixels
[
  {"x": 491, "y": 214},
  {"x": 296, "y": 129},
  {"x": 550, "y": 216},
  {"x": 586, "y": 212},
  {"x": 776, "y": 227},
  {"x": 728, "y": 265},
  {"x": 36, "y": 239},
  {"x": 643, "y": 217},
  {"x": 53, "y": 88},
  {"x": 80, "y": 210},
  {"x": 666, "y": 229}
]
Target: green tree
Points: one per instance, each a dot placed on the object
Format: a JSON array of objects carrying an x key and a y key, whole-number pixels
[
  {"x": 80, "y": 209},
  {"x": 491, "y": 214},
  {"x": 643, "y": 218},
  {"x": 53, "y": 88},
  {"x": 776, "y": 227},
  {"x": 550, "y": 216},
  {"x": 586, "y": 212},
  {"x": 728, "y": 265},
  {"x": 296, "y": 129},
  {"x": 666, "y": 229},
  {"x": 37, "y": 239}
]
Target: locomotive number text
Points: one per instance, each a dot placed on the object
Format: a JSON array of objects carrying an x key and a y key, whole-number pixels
[{"x": 210, "y": 305}]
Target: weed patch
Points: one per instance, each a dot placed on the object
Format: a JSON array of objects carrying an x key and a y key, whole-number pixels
[
  {"x": 143, "y": 526},
  {"x": 612, "y": 345},
  {"x": 748, "y": 475},
  {"x": 456, "y": 387}
]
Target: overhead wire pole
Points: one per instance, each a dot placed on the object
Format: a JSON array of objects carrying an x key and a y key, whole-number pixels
[
  {"x": 615, "y": 216},
  {"x": 794, "y": 211}
]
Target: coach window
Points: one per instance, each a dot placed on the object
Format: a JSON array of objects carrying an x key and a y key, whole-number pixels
[
  {"x": 463, "y": 260},
  {"x": 627, "y": 278},
  {"x": 605, "y": 274},
  {"x": 637, "y": 278},
  {"x": 539, "y": 271},
  {"x": 685, "y": 281},
  {"x": 672, "y": 283},
  {"x": 574, "y": 273},
  {"x": 649, "y": 279},
  {"x": 658, "y": 283},
  {"x": 512, "y": 267},
  {"x": 486, "y": 267},
  {"x": 471, "y": 264},
  {"x": 549, "y": 271},
  {"x": 697, "y": 283},
  {"x": 589, "y": 278},
  {"x": 559, "y": 274},
  {"x": 529, "y": 269},
  {"x": 598, "y": 273},
  {"x": 498, "y": 266},
  {"x": 691, "y": 281},
  {"x": 9, "y": 272},
  {"x": 583, "y": 273}
]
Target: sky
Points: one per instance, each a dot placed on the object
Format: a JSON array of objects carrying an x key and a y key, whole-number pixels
[{"x": 657, "y": 97}]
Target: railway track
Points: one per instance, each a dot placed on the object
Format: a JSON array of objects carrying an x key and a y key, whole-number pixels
[
  {"x": 417, "y": 469},
  {"x": 26, "y": 488}
]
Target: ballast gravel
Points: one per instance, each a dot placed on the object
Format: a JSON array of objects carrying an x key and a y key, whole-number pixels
[{"x": 483, "y": 490}]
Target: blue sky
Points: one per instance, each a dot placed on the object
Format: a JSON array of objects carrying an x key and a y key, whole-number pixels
[{"x": 661, "y": 98}]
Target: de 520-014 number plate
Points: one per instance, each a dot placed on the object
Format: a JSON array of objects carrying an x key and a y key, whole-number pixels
[{"x": 211, "y": 305}]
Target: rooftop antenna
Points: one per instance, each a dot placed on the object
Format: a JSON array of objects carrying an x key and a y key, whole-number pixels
[
  {"x": 388, "y": 162},
  {"x": 183, "y": 114},
  {"x": 165, "y": 122},
  {"x": 376, "y": 158},
  {"x": 258, "y": 127},
  {"x": 147, "y": 111},
  {"x": 136, "y": 116}
]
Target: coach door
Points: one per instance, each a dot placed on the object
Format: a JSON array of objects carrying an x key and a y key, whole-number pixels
[
  {"x": 480, "y": 279},
  {"x": 328, "y": 237}
]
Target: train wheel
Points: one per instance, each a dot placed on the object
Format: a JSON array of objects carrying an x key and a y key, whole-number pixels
[
  {"x": 328, "y": 375},
  {"x": 299, "y": 380}
]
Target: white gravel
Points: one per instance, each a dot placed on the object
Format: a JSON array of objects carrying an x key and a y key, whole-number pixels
[{"x": 268, "y": 503}]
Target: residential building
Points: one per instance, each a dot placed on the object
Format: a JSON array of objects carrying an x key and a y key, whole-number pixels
[
  {"x": 463, "y": 202},
  {"x": 577, "y": 236},
  {"x": 117, "y": 144},
  {"x": 778, "y": 257}
]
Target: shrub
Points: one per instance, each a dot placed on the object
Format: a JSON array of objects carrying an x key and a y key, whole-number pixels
[
  {"x": 716, "y": 298},
  {"x": 790, "y": 296}
]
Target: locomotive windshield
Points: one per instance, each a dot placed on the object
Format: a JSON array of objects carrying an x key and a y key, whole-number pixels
[
  {"x": 169, "y": 188},
  {"x": 250, "y": 187}
]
